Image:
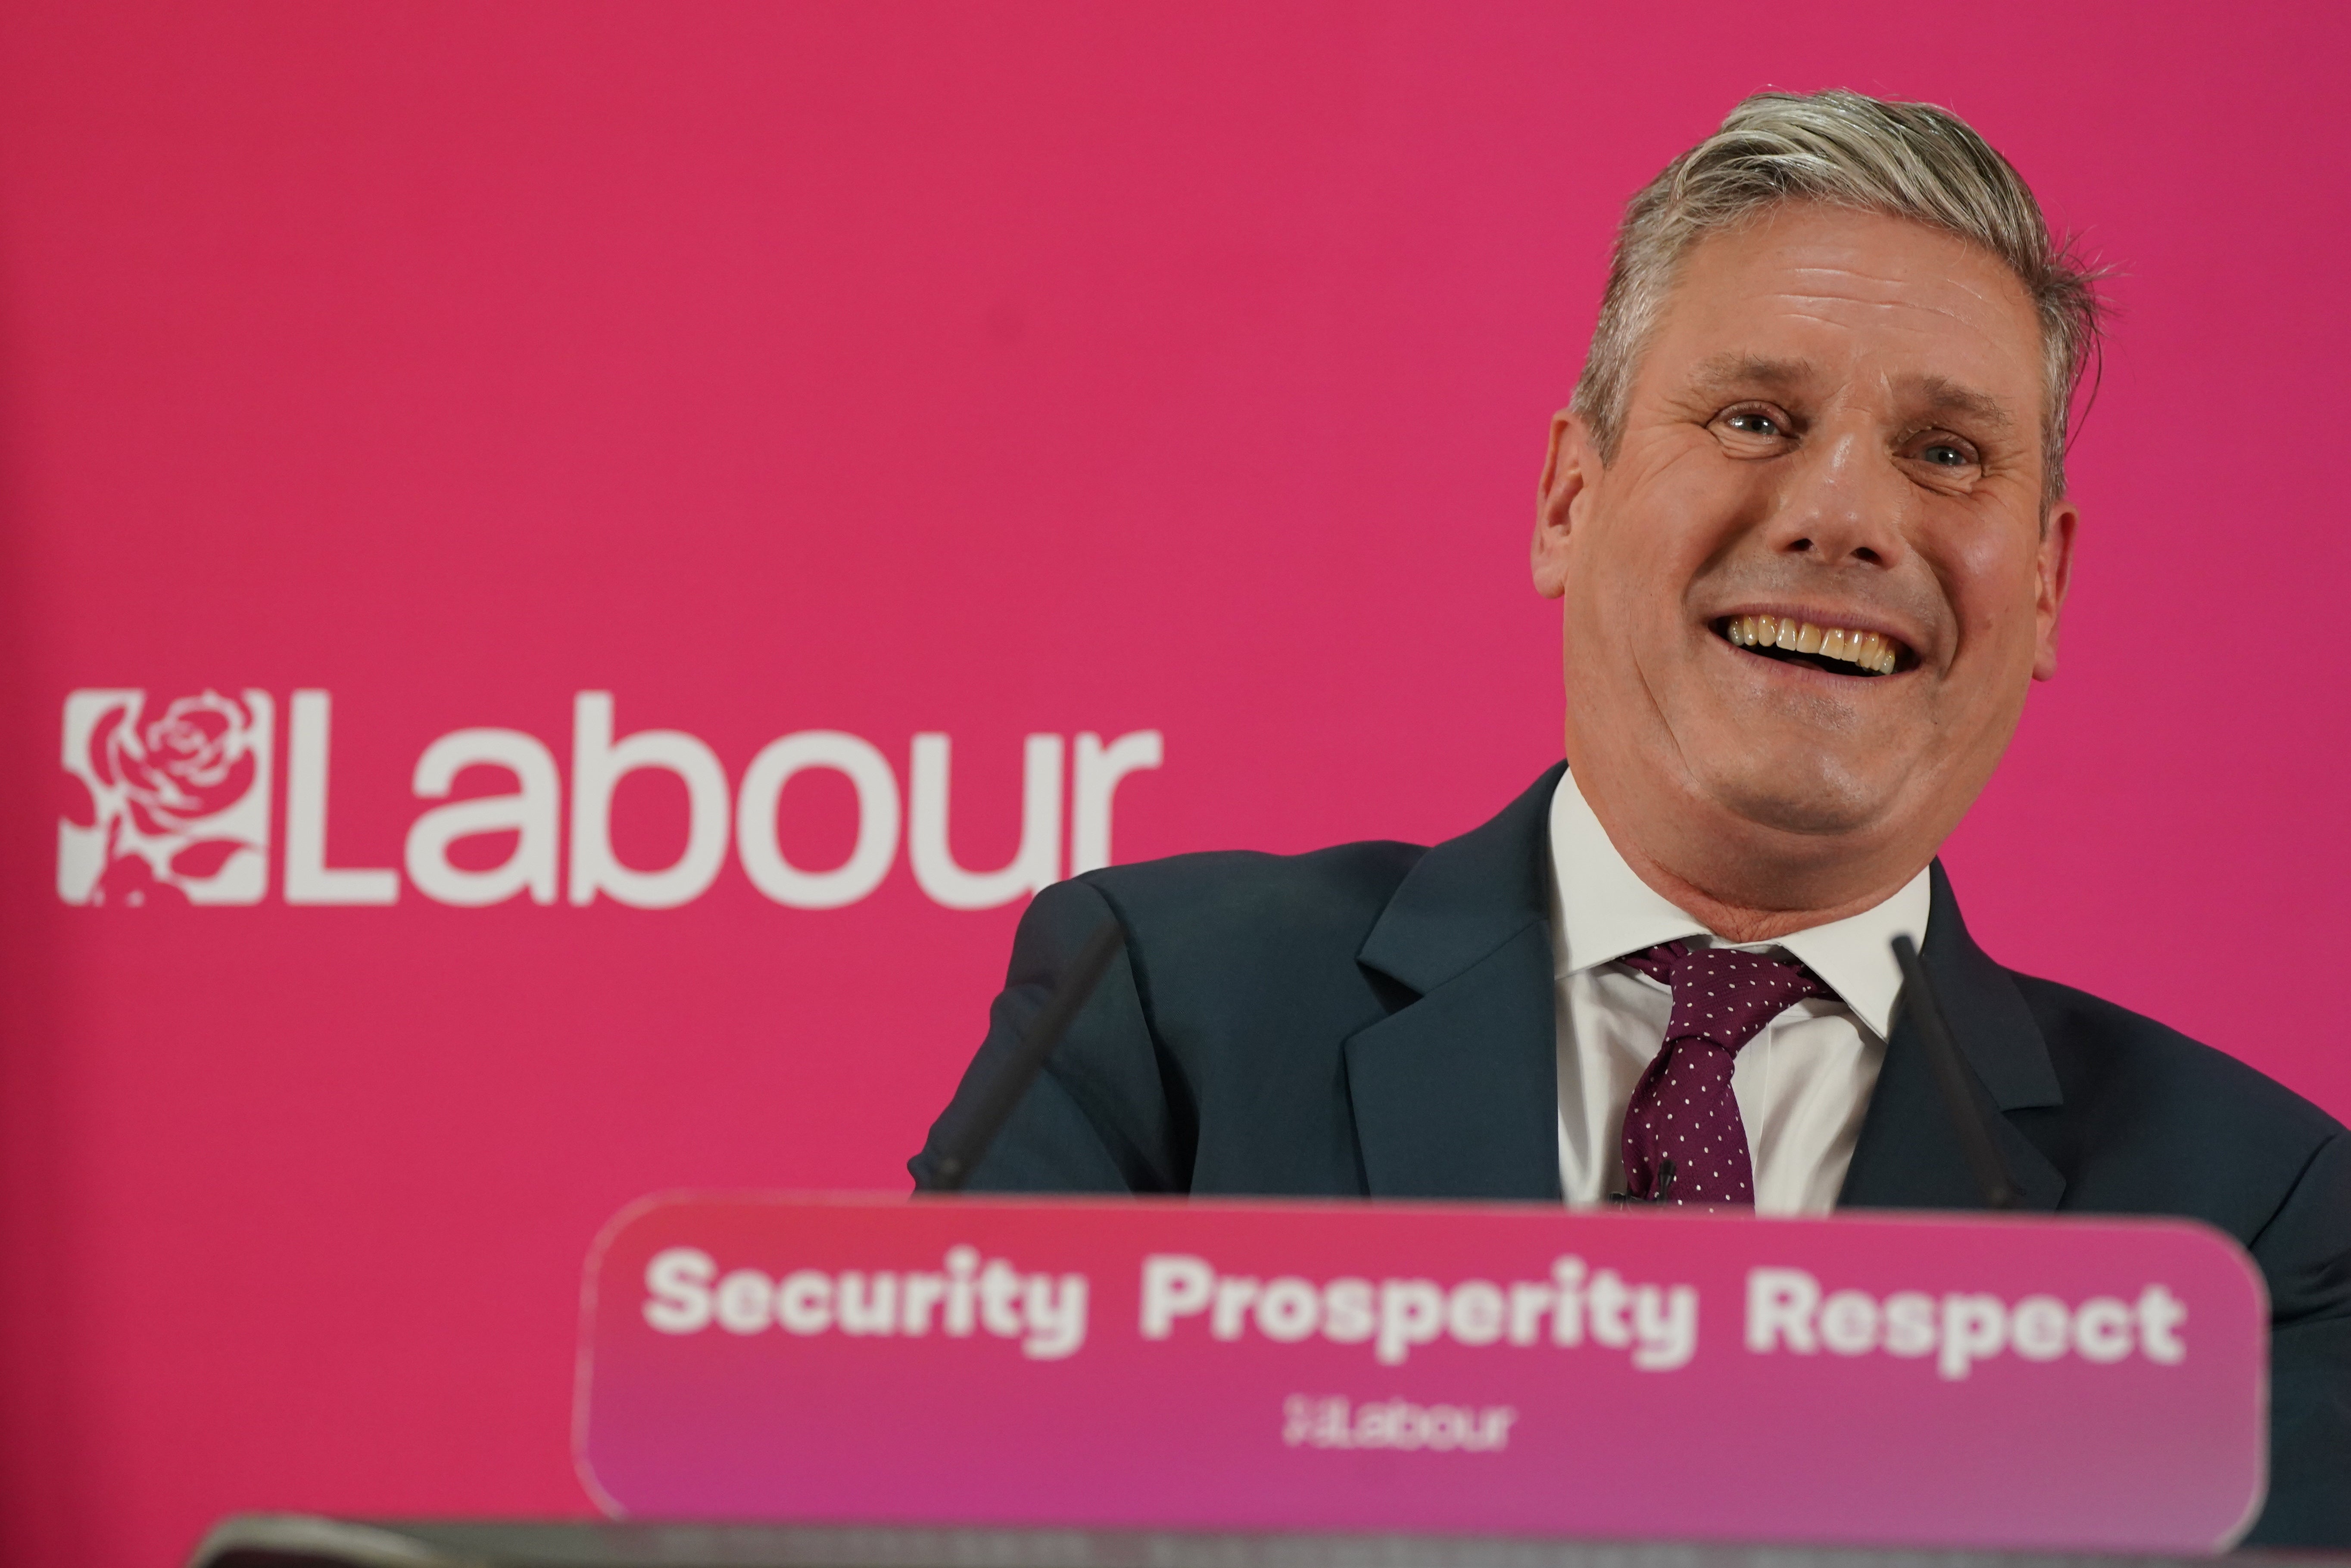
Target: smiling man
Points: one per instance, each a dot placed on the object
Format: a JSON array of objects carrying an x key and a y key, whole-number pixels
[{"x": 1807, "y": 520}]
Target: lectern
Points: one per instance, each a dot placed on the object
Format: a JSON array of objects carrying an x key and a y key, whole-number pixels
[
  {"x": 854, "y": 1382},
  {"x": 264, "y": 1540}
]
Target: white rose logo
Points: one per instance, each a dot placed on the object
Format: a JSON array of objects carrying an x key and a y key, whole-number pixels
[{"x": 172, "y": 805}]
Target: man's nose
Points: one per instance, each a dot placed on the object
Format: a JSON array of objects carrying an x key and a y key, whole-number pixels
[{"x": 1845, "y": 500}]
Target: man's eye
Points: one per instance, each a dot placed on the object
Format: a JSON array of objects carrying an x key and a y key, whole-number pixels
[
  {"x": 1943, "y": 454},
  {"x": 1754, "y": 423}
]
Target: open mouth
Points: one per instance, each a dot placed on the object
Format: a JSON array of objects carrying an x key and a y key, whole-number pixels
[{"x": 1835, "y": 649}]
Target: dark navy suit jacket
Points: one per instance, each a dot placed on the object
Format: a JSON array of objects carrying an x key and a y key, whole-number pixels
[{"x": 1377, "y": 1020}]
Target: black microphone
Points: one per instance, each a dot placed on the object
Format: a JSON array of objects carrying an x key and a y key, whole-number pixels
[
  {"x": 1664, "y": 1192},
  {"x": 1001, "y": 1094},
  {"x": 1999, "y": 1188}
]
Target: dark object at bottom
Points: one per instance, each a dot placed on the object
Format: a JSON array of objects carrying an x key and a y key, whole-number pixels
[
  {"x": 1665, "y": 1192},
  {"x": 295, "y": 1541}
]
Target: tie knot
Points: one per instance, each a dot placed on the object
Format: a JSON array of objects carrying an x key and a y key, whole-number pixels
[{"x": 1722, "y": 994}]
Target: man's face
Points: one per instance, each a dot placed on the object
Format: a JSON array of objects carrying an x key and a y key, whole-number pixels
[{"x": 1832, "y": 441}]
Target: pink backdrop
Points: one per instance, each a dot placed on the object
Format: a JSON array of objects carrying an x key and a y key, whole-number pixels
[{"x": 984, "y": 371}]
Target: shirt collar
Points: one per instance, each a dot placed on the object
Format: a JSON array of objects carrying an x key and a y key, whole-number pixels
[{"x": 1600, "y": 910}]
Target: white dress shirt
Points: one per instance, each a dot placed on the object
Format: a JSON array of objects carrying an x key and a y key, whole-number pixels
[{"x": 1801, "y": 1084}]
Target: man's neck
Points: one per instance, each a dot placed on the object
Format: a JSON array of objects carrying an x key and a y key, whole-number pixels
[
  {"x": 1739, "y": 922},
  {"x": 1805, "y": 890}
]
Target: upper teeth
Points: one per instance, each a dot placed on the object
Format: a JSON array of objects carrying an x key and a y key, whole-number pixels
[{"x": 1876, "y": 654}]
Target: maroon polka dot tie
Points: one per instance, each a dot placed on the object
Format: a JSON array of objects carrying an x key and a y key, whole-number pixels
[{"x": 1682, "y": 1109}]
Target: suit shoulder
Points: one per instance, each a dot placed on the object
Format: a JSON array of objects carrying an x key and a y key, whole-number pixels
[
  {"x": 1245, "y": 964},
  {"x": 1241, "y": 887},
  {"x": 2121, "y": 1069}
]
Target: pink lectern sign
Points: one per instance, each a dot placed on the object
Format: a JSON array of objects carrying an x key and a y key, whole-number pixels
[{"x": 1440, "y": 1368}]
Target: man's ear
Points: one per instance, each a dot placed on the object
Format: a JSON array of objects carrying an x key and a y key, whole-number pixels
[
  {"x": 2056, "y": 574},
  {"x": 1568, "y": 467}
]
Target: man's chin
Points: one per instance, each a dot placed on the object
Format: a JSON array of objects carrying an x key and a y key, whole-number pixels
[{"x": 1809, "y": 803}]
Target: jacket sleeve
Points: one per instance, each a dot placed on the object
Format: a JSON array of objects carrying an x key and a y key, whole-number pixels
[
  {"x": 2305, "y": 1252},
  {"x": 1099, "y": 1117}
]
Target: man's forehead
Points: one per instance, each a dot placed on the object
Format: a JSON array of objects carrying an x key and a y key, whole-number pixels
[
  {"x": 1802, "y": 246},
  {"x": 1909, "y": 289}
]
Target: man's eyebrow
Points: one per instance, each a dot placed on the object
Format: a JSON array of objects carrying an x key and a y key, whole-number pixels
[
  {"x": 1937, "y": 394},
  {"x": 1942, "y": 396},
  {"x": 1723, "y": 372}
]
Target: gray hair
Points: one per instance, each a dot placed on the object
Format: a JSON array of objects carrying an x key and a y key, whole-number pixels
[{"x": 1911, "y": 160}]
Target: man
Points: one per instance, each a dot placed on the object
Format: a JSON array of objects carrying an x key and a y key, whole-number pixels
[{"x": 1807, "y": 520}]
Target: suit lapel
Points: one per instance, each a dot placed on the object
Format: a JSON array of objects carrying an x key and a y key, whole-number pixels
[
  {"x": 1455, "y": 1094},
  {"x": 1909, "y": 1154}
]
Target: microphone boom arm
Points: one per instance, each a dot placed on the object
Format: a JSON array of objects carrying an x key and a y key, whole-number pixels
[
  {"x": 1002, "y": 1093},
  {"x": 1991, "y": 1172}
]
